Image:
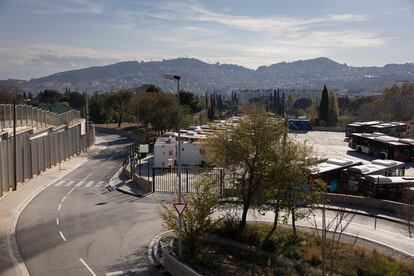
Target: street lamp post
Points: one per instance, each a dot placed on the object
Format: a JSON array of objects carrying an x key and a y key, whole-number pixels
[{"x": 180, "y": 219}]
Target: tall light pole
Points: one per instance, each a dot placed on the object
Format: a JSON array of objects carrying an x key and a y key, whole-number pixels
[
  {"x": 14, "y": 148},
  {"x": 180, "y": 219}
]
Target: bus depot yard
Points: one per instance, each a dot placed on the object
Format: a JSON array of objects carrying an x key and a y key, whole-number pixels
[{"x": 333, "y": 145}]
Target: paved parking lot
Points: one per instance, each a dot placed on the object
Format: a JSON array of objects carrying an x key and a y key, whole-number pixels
[{"x": 332, "y": 145}]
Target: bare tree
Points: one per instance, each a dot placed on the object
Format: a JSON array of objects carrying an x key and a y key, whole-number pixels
[{"x": 336, "y": 226}]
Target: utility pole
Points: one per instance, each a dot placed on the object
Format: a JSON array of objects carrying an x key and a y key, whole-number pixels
[
  {"x": 86, "y": 109},
  {"x": 180, "y": 218},
  {"x": 14, "y": 147}
]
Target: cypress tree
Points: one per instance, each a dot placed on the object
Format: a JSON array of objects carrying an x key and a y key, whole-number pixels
[
  {"x": 333, "y": 117},
  {"x": 324, "y": 106}
]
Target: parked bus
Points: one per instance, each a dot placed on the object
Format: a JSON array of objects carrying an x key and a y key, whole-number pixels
[
  {"x": 395, "y": 129},
  {"x": 359, "y": 127},
  {"x": 351, "y": 177},
  {"x": 383, "y": 187},
  {"x": 383, "y": 146},
  {"x": 330, "y": 172}
]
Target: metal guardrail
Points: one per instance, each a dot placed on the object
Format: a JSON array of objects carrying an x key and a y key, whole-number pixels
[{"x": 27, "y": 115}]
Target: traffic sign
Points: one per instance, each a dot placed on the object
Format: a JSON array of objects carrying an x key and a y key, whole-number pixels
[
  {"x": 180, "y": 207},
  {"x": 144, "y": 148}
]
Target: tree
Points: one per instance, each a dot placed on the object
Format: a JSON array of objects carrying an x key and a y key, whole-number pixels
[
  {"x": 119, "y": 102},
  {"x": 49, "y": 96},
  {"x": 244, "y": 151},
  {"x": 287, "y": 180},
  {"x": 324, "y": 106},
  {"x": 190, "y": 101},
  {"x": 302, "y": 103},
  {"x": 333, "y": 116},
  {"x": 8, "y": 93},
  {"x": 196, "y": 217},
  {"x": 97, "y": 111}
]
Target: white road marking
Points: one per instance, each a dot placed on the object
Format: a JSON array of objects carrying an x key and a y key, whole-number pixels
[
  {"x": 102, "y": 164},
  {"x": 59, "y": 183},
  {"x": 87, "y": 266},
  {"x": 63, "y": 199},
  {"x": 99, "y": 184},
  {"x": 88, "y": 176},
  {"x": 115, "y": 273},
  {"x": 60, "y": 206},
  {"x": 70, "y": 191},
  {"x": 57, "y": 221},
  {"x": 80, "y": 183},
  {"x": 69, "y": 183},
  {"x": 89, "y": 184},
  {"x": 63, "y": 237}
]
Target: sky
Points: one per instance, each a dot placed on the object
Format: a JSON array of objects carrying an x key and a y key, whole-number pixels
[{"x": 41, "y": 37}]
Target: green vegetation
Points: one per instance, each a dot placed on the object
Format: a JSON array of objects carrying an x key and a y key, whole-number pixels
[
  {"x": 197, "y": 215},
  {"x": 251, "y": 252},
  {"x": 324, "y": 106}
]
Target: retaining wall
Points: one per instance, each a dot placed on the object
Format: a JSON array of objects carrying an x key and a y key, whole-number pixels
[
  {"x": 374, "y": 203},
  {"x": 36, "y": 152}
]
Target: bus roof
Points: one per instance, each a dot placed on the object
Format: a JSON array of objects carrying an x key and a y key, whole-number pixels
[
  {"x": 387, "y": 179},
  {"x": 333, "y": 164},
  {"x": 369, "y": 123},
  {"x": 376, "y": 166}
]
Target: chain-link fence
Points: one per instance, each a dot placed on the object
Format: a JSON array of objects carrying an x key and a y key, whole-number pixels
[{"x": 37, "y": 152}]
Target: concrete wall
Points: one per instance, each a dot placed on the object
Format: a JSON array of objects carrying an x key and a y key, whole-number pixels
[
  {"x": 142, "y": 183},
  {"x": 370, "y": 203},
  {"x": 174, "y": 266},
  {"x": 36, "y": 152}
]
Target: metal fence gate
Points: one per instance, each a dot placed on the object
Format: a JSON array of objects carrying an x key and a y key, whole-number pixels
[{"x": 166, "y": 180}]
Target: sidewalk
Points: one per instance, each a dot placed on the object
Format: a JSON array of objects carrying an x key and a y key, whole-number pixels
[
  {"x": 124, "y": 184},
  {"x": 11, "y": 205}
]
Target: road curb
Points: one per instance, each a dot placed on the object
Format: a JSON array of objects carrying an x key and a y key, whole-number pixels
[
  {"x": 11, "y": 241},
  {"x": 153, "y": 255}
]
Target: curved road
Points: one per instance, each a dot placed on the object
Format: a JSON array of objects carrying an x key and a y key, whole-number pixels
[{"x": 77, "y": 226}]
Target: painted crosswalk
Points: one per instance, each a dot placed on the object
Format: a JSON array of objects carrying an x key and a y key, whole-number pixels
[{"x": 81, "y": 183}]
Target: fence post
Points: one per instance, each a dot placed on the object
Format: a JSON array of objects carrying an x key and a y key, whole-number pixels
[
  {"x": 221, "y": 182},
  {"x": 153, "y": 179},
  {"x": 186, "y": 179}
]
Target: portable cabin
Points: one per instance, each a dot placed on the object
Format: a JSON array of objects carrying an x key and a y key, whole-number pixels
[
  {"x": 164, "y": 152},
  {"x": 351, "y": 177}
]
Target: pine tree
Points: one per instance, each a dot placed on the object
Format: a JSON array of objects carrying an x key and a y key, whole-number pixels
[
  {"x": 333, "y": 117},
  {"x": 324, "y": 106}
]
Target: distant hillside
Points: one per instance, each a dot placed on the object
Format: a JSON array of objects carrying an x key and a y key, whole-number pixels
[{"x": 199, "y": 76}]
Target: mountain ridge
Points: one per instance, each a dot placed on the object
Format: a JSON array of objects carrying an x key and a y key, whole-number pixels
[{"x": 201, "y": 76}]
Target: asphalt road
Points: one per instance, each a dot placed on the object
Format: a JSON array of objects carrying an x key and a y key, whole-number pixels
[{"x": 77, "y": 226}]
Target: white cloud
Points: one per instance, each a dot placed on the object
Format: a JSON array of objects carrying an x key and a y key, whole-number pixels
[{"x": 63, "y": 6}]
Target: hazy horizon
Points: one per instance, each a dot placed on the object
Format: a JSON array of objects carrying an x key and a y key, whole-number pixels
[{"x": 42, "y": 37}]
